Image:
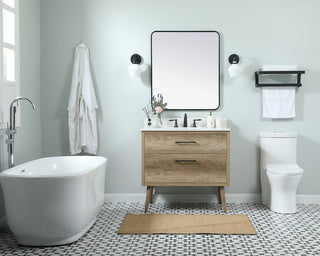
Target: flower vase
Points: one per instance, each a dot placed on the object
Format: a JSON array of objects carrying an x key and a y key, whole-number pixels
[
  {"x": 159, "y": 118},
  {"x": 157, "y": 122}
]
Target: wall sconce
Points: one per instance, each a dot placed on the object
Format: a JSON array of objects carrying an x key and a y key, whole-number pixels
[
  {"x": 234, "y": 68},
  {"x": 135, "y": 68}
]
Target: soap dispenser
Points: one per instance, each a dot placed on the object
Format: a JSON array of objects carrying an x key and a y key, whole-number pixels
[{"x": 210, "y": 121}]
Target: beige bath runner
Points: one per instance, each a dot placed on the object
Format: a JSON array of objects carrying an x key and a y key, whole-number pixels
[{"x": 186, "y": 224}]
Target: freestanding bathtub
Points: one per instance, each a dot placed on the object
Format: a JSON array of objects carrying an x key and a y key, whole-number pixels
[{"x": 55, "y": 200}]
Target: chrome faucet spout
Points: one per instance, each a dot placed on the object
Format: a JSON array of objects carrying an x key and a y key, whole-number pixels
[
  {"x": 13, "y": 110},
  {"x": 12, "y": 128}
]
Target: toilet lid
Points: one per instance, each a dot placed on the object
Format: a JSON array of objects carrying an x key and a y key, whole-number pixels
[{"x": 285, "y": 169}]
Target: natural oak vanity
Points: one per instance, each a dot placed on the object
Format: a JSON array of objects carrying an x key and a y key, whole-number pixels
[{"x": 185, "y": 157}]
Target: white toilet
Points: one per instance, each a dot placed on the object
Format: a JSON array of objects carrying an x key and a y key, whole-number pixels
[{"x": 280, "y": 175}]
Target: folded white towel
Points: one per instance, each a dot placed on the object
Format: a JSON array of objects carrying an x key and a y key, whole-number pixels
[{"x": 278, "y": 102}]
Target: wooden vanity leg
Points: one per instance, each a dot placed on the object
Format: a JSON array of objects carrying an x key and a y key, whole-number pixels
[
  {"x": 218, "y": 196},
  {"x": 222, "y": 198},
  {"x": 148, "y": 197}
]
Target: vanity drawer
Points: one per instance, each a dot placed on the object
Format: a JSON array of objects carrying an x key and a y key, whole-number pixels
[
  {"x": 185, "y": 169},
  {"x": 213, "y": 142}
]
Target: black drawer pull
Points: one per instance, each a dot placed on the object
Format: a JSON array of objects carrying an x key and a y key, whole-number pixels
[
  {"x": 186, "y": 161},
  {"x": 186, "y": 142}
]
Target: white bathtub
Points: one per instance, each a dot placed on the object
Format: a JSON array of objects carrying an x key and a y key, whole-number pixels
[{"x": 55, "y": 200}]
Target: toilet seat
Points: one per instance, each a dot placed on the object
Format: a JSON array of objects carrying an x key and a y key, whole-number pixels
[{"x": 284, "y": 169}]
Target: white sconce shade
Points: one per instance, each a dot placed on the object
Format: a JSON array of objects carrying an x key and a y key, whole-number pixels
[
  {"x": 235, "y": 69},
  {"x": 135, "y": 68}
]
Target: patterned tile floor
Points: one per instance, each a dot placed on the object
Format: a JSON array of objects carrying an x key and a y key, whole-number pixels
[{"x": 278, "y": 234}]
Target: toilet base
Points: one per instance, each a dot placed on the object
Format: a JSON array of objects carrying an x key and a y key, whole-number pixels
[
  {"x": 283, "y": 203},
  {"x": 283, "y": 190}
]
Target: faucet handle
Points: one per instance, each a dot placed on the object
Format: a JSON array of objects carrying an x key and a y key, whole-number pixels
[
  {"x": 9, "y": 141},
  {"x": 194, "y": 122},
  {"x": 10, "y": 131},
  {"x": 175, "y": 122}
]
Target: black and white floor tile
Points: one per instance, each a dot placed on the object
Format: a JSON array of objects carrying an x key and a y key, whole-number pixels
[{"x": 278, "y": 234}]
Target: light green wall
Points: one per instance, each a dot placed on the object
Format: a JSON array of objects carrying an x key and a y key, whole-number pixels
[
  {"x": 28, "y": 137},
  {"x": 263, "y": 32}
]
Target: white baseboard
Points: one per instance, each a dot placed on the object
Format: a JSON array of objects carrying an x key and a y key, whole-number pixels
[
  {"x": 124, "y": 197},
  {"x": 308, "y": 199},
  {"x": 200, "y": 198},
  {"x": 182, "y": 198}
]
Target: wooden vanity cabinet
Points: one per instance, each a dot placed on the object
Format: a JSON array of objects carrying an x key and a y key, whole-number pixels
[{"x": 186, "y": 158}]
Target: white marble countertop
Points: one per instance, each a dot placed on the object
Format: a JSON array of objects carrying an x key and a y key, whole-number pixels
[{"x": 184, "y": 129}]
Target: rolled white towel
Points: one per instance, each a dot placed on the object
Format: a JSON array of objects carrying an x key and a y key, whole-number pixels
[{"x": 279, "y": 67}]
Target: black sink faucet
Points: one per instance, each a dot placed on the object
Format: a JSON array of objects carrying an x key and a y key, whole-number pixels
[
  {"x": 185, "y": 120},
  {"x": 175, "y": 122},
  {"x": 194, "y": 122}
]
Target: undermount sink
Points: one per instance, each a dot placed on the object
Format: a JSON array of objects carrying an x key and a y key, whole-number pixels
[
  {"x": 182, "y": 129},
  {"x": 169, "y": 125}
]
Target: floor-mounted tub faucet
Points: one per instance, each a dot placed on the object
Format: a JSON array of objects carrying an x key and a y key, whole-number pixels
[{"x": 12, "y": 128}]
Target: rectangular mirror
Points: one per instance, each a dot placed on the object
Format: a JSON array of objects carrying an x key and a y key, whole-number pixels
[{"x": 186, "y": 69}]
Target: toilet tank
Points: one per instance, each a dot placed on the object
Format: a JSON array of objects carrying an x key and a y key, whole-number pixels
[{"x": 278, "y": 148}]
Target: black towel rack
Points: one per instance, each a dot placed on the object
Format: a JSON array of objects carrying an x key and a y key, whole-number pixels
[{"x": 269, "y": 72}]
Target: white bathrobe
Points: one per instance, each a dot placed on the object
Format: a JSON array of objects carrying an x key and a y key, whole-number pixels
[{"x": 82, "y": 106}]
